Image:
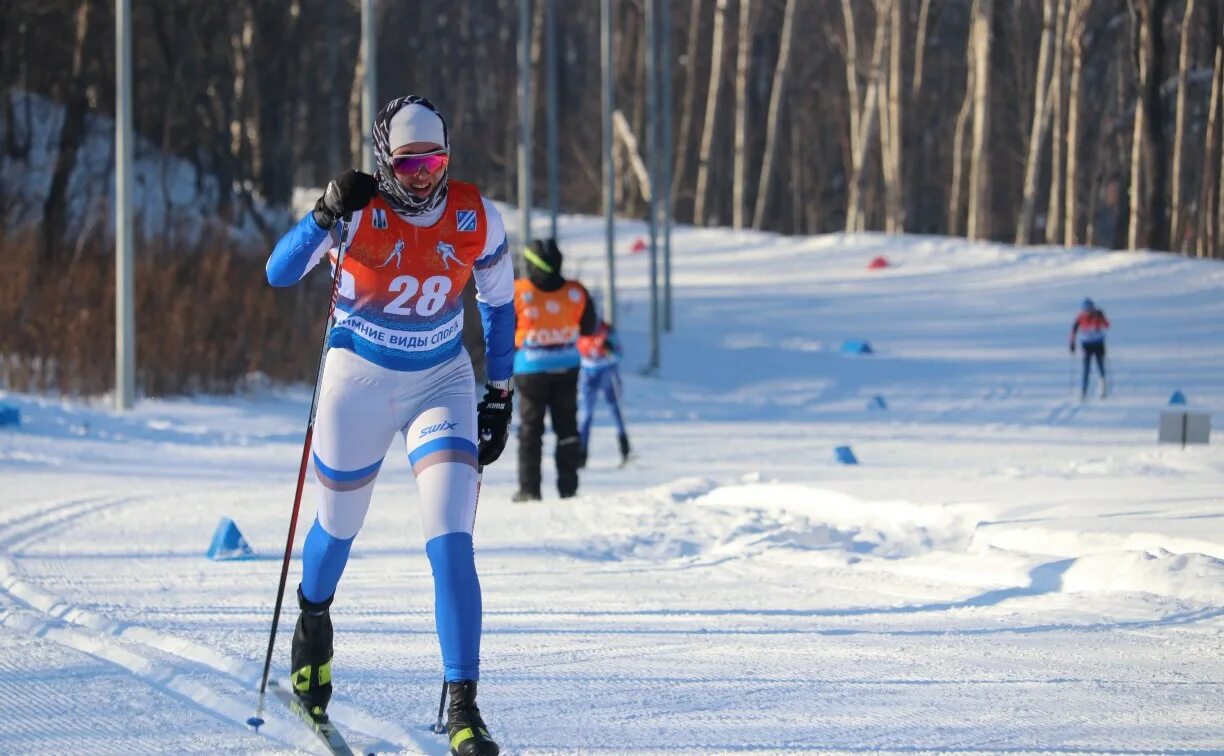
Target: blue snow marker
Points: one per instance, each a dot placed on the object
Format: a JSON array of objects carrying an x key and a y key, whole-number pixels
[
  {"x": 845, "y": 456},
  {"x": 1177, "y": 398},
  {"x": 9, "y": 415},
  {"x": 856, "y": 346},
  {"x": 228, "y": 543},
  {"x": 877, "y": 402}
]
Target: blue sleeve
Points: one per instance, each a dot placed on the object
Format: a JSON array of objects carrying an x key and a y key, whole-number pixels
[
  {"x": 297, "y": 252},
  {"x": 498, "y": 322}
]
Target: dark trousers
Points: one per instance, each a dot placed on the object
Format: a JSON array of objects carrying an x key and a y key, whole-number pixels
[
  {"x": 1096, "y": 350},
  {"x": 557, "y": 394}
]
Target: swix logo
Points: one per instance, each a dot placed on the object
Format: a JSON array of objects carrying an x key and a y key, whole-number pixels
[
  {"x": 395, "y": 254},
  {"x": 552, "y": 336},
  {"x": 447, "y": 253},
  {"x": 379, "y": 219},
  {"x": 442, "y": 426}
]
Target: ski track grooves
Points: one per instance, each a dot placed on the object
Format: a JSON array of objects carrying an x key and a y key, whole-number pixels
[{"x": 34, "y": 611}]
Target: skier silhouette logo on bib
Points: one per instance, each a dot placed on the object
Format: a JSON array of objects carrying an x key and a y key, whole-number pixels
[
  {"x": 447, "y": 254},
  {"x": 395, "y": 254}
]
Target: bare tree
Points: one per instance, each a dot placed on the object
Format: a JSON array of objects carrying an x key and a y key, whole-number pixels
[
  {"x": 1179, "y": 129},
  {"x": 891, "y": 143},
  {"x": 1037, "y": 130},
  {"x": 1053, "y": 226},
  {"x": 356, "y": 127},
  {"x": 1075, "y": 39},
  {"x": 852, "y": 87},
  {"x": 924, "y": 13},
  {"x": 955, "y": 201},
  {"x": 72, "y": 131},
  {"x": 1147, "y": 167},
  {"x": 1211, "y": 148},
  {"x": 711, "y": 113},
  {"x": 743, "y": 56},
  {"x": 855, "y": 216},
  {"x": 979, "y": 161},
  {"x": 683, "y": 136},
  {"x": 1216, "y": 160},
  {"x": 776, "y": 96}
]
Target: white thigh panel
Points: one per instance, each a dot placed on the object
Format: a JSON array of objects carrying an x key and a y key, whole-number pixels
[{"x": 354, "y": 424}]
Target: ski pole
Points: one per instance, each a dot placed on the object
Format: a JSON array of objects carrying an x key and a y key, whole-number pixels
[
  {"x": 257, "y": 719},
  {"x": 1071, "y": 375},
  {"x": 438, "y": 727}
]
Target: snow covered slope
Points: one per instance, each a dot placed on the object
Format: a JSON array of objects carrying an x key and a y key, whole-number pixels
[{"x": 1007, "y": 569}]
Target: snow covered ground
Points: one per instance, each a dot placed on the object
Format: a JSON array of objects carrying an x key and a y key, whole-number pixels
[{"x": 1007, "y": 569}]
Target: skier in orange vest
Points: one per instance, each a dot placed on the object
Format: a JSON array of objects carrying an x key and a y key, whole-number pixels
[{"x": 551, "y": 313}]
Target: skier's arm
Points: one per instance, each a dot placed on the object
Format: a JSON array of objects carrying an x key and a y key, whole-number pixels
[
  {"x": 1074, "y": 330},
  {"x": 304, "y": 246},
  {"x": 589, "y": 321},
  {"x": 299, "y": 250},
  {"x": 494, "y": 275}
]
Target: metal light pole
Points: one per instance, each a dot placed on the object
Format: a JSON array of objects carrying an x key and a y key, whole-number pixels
[
  {"x": 524, "y": 103},
  {"x": 652, "y": 169},
  {"x": 554, "y": 158},
  {"x": 665, "y": 165},
  {"x": 609, "y": 180},
  {"x": 125, "y": 319},
  {"x": 369, "y": 88}
]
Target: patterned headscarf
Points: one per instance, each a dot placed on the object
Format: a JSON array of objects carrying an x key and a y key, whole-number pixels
[{"x": 400, "y": 199}]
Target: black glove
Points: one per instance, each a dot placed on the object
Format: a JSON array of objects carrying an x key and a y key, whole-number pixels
[
  {"x": 1072, "y": 347},
  {"x": 350, "y": 191},
  {"x": 493, "y": 414}
]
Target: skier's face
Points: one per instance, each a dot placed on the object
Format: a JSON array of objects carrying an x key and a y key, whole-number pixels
[{"x": 419, "y": 166}]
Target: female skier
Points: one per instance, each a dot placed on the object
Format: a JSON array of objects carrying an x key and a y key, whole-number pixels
[{"x": 396, "y": 365}]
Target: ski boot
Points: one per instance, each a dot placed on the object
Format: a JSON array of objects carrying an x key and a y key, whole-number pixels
[
  {"x": 468, "y": 734},
  {"x": 312, "y": 656},
  {"x": 521, "y": 496},
  {"x": 624, "y": 449}
]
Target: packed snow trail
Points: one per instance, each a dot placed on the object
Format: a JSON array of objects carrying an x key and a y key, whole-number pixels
[{"x": 1006, "y": 569}]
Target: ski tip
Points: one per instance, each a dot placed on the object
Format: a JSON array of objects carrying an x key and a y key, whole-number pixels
[{"x": 255, "y": 722}]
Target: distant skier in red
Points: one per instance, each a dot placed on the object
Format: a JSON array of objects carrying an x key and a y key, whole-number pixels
[{"x": 1091, "y": 325}]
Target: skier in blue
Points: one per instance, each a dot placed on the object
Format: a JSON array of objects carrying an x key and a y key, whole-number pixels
[
  {"x": 600, "y": 374},
  {"x": 396, "y": 366}
]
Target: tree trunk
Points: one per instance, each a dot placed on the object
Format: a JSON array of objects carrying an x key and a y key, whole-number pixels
[
  {"x": 979, "y": 160},
  {"x": 955, "y": 201},
  {"x": 629, "y": 140},
  {"x": 855, "y": 217},
  {"x": 852, "y": 87},
  {"x": 711, "y": 113},
  {"x": 739, "y": 211},
  {"x": 76, "y": 106},
  {"x": 1053, "y": 226},
  {"x": 924, "y": 13},
  {"x": 356, "y": 127},
  {"x": 1075, "y": 38},
  {"x": 893, "y": 189},
  {"x": 1218, "y": 221},
  {"x": 1211, "y": 144},
  {"x": 1037, "y": 129},
  {"x": 1179, "y": 130},
  {"x": 1148, "y": 145},
  {"x": 777, "y": 94},
  {"x": 690, "y": 99}
]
